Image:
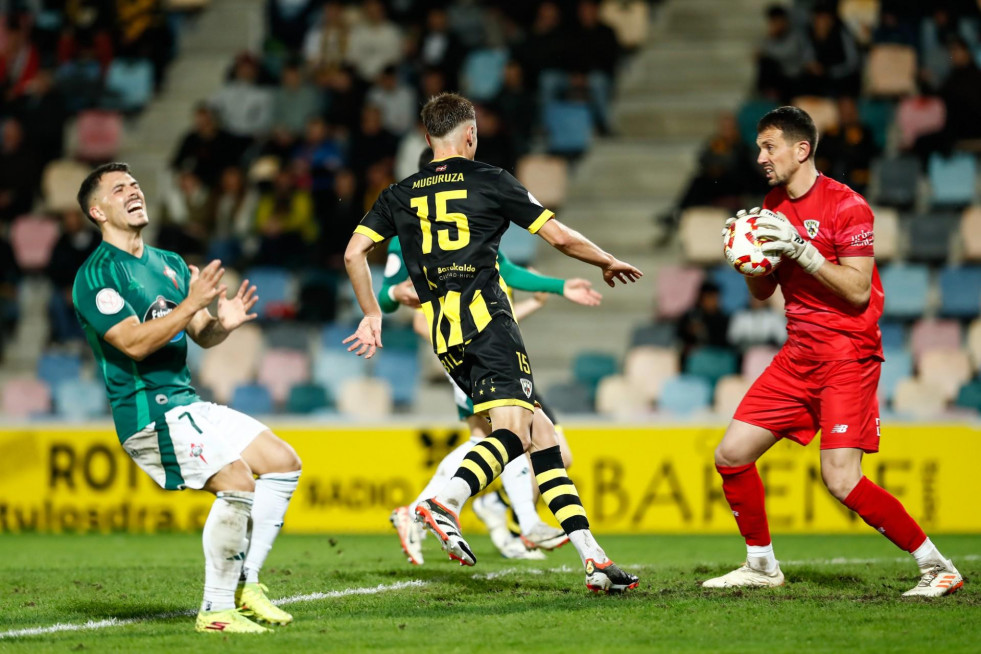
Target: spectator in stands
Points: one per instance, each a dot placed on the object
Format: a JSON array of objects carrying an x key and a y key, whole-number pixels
[
  {"x": 780, "y": 59},
  {"x": 9, "y": 279},
  {"x": 432, "y": 82},
  {"x": 315, "y": 162},
  {"x": 77, "y": 241},
  {"x": 287, "y": 21},
  {"x": 726, "y": 169},
  {"x": 961, "y": 93},
  {"x": 758, "y": 324},
  {"x": 206, "y": 149},
  {"x": 338, "y": 223},
  {"x": 244, "y": 106},
  {"x": 372, "y": 143},
  {"x": 495, "y": 146},
  {"x": 846, "y": 150},
  {"x": 80, "y": 78},
  {"x": 285, "y": 224},
  {"x": 439, "y": 47},
  {"x": 184, "y": 225},
  {"x": 705, "y": 324},
  {"x": 543, "y": 49},
  {"x": 941, "y": 25},
  {"x": 43, "y": 113},
  {"x": 375, "y": 42},
  {"x": 593, "y": 50},
  {"x": 230, "y": 210},
  {"x": 898, "y": 22},
  {"x": 517, "y": 107},
  {"x": 833, "y": 63},
  {"x": 294, "y": 101},
  {"x": 19, "y": 172},
  {"x": 344, "y": 98},
  {"x": 142, "y": 31},
  {"x": 325, "y": 45},
  {"x": 396, "y": 101},
  {"x": 19, "y": 58}
]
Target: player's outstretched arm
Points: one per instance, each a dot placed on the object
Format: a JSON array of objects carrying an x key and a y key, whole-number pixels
[
  {"x": 575, "y": 290},
  {"x": 208, "y": 331},
  {"x": 138, "y": 340},
  {"x": 367, "y": 338},
  {"x": 573, "y": 244}
]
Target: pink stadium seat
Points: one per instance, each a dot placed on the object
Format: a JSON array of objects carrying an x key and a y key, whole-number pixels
[
  {"x": 677, "y": 289},
  {"x": 700, "y": 234},
  {"x": 891, "y": 70},
  {"x": 59, "y": 184},
  {"x": 918, "y": 115},
  {"x": 365, "y": 398},
  {"x": 233, "y": 364},
  {"x": 945, "y": 368},
  {"x": 729, "y": 391},
  {"x": 618, "y": 397},
  {"x": 32, "y": 239},
  {"x": 823, "y": 111},
  {"x": 546, "y": 177},
  {"x": 930, "y": 334},
  {"x": 646, "y": 367},
  {"x": 280, "y": 369},
  {"x": 756, "y": 359},
  {"x": 24, "y": 397},
  {"x": 98, "y": 134}
]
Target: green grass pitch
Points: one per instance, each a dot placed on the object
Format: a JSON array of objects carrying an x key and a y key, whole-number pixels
[{"x": 146, "y": 583}]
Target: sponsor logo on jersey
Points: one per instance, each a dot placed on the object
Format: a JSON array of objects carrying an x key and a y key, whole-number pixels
[
  {"x": 160, "y": 308},
  {"x": 440, "y": 169},
  {"x": 526, "y": 387},
  {"x": 108, "y": 301},
  {"x": 863, "y": 238},
  {"x": 170, "y": 274},
  {"x": 812, "y": 227},
  {"x": 839, "y": 429}
]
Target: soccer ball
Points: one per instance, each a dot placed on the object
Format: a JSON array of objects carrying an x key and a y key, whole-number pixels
[{"x": 742, "y": 248}]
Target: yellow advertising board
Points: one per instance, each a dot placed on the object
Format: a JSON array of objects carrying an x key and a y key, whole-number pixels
[{"x": 643, "y": 479}]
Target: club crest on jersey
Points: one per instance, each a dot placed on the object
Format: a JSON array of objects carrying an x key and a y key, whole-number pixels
[
  {"x": 171, "y": 275},
  {"x": 160, "y": 308},
  {"x": 440, "y": 169},
  {"x": 197, "y": 452},
  {"x": 526, "y": 387},
  {"x": 812, "y": 227}
]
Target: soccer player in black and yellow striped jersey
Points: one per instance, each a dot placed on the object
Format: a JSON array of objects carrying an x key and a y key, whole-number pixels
[{"x": 449, "y": 218}]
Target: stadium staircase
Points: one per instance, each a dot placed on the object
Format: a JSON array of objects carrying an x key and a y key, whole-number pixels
[{"x": 697, "y": 62}]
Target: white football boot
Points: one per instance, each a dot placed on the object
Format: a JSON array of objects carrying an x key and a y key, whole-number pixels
[
  {"x": 937, "y": 580},
  {"x": 747, "y": 576}
]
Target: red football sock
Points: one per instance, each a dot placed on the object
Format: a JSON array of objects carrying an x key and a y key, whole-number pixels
[
  {"x": 743, "y": 489},
  {"x": 886, "y": 514}
]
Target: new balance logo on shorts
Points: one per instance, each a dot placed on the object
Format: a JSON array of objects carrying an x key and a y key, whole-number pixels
[{"x": 839, "y": 429}]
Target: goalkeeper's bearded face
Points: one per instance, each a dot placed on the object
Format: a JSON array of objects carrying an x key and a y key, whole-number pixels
[{"x": 778, "y": 157}]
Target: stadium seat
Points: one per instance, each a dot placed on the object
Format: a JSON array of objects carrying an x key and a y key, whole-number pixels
[
  {"x": 699, "y": 234},
  {"x": 307, "y": 398},
  {"x": 128, "y": 84},
  {"x": 519, "y": 245},
  {"x": 281, "y": 369},
  {"x": 276, "y": 291},
  {"x": 952, "y": 179},
  {"x": 588, "y": 368},
  {"x": 915, "y": 398},
  {"x": 81, "y": 399},
  {"x": 400, "y": 368},
  {"x": 749, "y": 115},
  {"x": 729, "y": 392},
  {"x": 893, "y": 334},
  {"x": 711, "y": 363},
  {"x": 365, "y": 398},
  {"x": 886, "y": 234},
  {"x": 877, "y": 114},
  {"x": 946, "y": 369},
  {"x": 929, "y": 334},
  {"x": 898, "y": 365},
  {"x": 234, "y": 363},
  {"x": 618, "y": 397},
  {"x": 906, "y": 288},
  {"x": 32, "y": 238},
  {"x": 25, "y": 398},
  {"x": 684, "y": 395},
  {"x": 918, "y": 115},
  {"x": 403, "y": 338},
  {"x": 252, "y": 399},
  {"x": 98, "y": 135},
  {"x": 969, "y": 396},
  {"x": 483, "y": 73},
  {"x": 629, "y": 20},
  {"x": 677, "y": 290},
  {"x": 734, "y": 292},
  {"x": 569, "y": 398},
  {"x": 546, "y": 177},
  {"x": 54, "y": 368},
  {"x": 647, "y": 367},
  {"x": 333, "y": 334},
  {"x": 890, "y": 70},
  {"x": 970, "y": 233},
  {"x": 288, "y": 336},
  {"x": 974, "y": 343},
  {"x": 568, "y": 127},
  {"x": 660, "y": 334},
  {"x": 930, "y": 237},
  {"x": 60, "y": 182},
  {"x": 823, "y": 111},
  {"x": 861, "y": 17},
  {"x": 960, "y": 291},
  {"x": 897, "y": 180},
  {"x": 756, "y": 359},
  {"x": 331, "y": 368}
]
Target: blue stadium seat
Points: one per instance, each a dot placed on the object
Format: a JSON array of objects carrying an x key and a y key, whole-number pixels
[
  {"x": 570, "y": 397},
  {"x": 54, "y": 368},
  {"x": 483, "y": 73},
  {"x": 893, "y": 334},
  {"x": 897, "y": 181},
  {"x": 711, "y": 363},
  {"x": 734, "y": 292},
  {"x": 333, "y": 334},
  {"x": 568, "y": 127},
  {"x": 960, "y": 291},
  {"x": 404, "y": 339},
  {"x": 253, "y": 399},
  {"x": 749, "y": 115},
  {"x": 897, "y": 366},
  {"x": 588, "y": 368},
  {"x": 274, "y": 286},
  {"x": 878, "y": 115},
  {"x": 906, "y": 288},
  {"x": 129, "y": 84},
  {"x": 307, "y": 398},
  {"x": 400, "y": 368},
  {"x": 661, "y": 334},
  {"x": 519, "y": 245},
  {"x": 685, "y": 394},
  {"x": 929, "y": 236},
  {"x": 952, "y": 179},
  {"x": 80, "y": 399},
  {"x": 287, "y": 335},
  {"x": 331, "y": 368}
]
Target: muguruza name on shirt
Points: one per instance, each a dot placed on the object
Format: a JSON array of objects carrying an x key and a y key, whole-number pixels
[{"x": 437, "y": 179}]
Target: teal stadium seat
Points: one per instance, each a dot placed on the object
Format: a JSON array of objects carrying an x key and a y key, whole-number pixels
[
  {"x": 307, "y": 398},
  {"x": 878, "y": 115},
  {"x": 906, "y": 288},
  {"x": 483, "y": 73},
  {"x": 960, "y": 292},
  {"x": 589, "y": 368},
  {"x": 80, "y": 399},
  {"x": 897, "y": 366},
  {"x": 129, "y": 84},
  {"x": 969, "y": 395},
  {"x": 568, "y": 127},
  {"x": 712, "y": 363},
  {"x": 749, "y": 115},
  {"x": 952, "y": 179},
  {"x": 684, "y": 395}
]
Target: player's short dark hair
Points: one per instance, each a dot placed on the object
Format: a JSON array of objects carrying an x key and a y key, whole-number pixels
[
  {"x": 795, "y": 123},
  {"x": 91, "y": 182},
  {"x": 774, "y": 12},
  {"x": 444, "y": 112}
]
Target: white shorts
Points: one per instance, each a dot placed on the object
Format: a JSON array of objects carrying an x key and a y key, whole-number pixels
[{"x": 186, "y": 447}]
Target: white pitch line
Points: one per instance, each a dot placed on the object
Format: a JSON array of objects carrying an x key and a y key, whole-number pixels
[{"x": 114, "y": 622}]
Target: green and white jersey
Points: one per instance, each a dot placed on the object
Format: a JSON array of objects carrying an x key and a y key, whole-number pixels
[{"x": 113, "y": 285}]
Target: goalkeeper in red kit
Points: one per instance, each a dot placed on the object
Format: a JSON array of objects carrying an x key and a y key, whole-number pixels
[{"x": 825, "y": 378}]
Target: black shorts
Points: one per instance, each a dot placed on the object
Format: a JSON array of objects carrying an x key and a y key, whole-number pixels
[{"x": 493, "y": 368}]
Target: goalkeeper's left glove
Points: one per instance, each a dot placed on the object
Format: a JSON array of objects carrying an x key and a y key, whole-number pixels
[{"x": 780, "y": 237}]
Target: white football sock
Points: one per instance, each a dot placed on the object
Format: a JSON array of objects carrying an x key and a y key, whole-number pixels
[
  {"x": 586, "y": 545},
  {"x": 927, "y": 555},
  {"x": 454, "y": 494},
  {"x": 272, "y": 497},
  {"x": 760, "y": 557},
  {"x": 517, "y": 482},
  {"x": 225, "y": 541},
  {"x": 444, "y": 471}
]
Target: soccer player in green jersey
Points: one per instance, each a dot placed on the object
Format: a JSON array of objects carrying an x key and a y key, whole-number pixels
[
  {"x": 138, "y": 305},
  {"x": 450, "y": 217}
]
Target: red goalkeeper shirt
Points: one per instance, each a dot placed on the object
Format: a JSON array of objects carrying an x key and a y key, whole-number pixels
[{"x": 820, "y": 325}]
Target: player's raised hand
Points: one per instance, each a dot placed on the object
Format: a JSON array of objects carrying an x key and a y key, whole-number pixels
[
  {"x": 581, "y": 291},
  {"x": 367, "y": 337},
  {"x": 622, "y": 271},
  {"x": 405, "y": 293},
  {"x": 204, "y": 288},
  {"x": 234, "y": 311}
]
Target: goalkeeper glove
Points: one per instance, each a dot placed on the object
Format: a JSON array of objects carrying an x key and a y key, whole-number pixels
[{"x": 782, "y": 238}]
